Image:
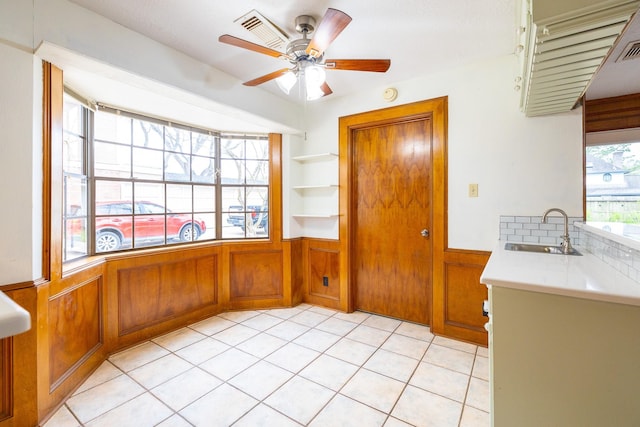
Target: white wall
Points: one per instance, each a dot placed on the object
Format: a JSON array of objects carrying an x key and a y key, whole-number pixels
[
  {"x": 522, "y": 165},
  {"x": 20, "y": 166}
]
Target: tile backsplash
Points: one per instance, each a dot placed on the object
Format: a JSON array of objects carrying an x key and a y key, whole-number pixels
[{"x": 530, "y": 229}]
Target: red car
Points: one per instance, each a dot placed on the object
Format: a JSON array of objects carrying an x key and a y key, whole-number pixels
[{"x": 115, "y": 220}]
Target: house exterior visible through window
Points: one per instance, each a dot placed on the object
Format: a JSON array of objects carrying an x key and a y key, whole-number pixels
[{"x": 155, "y": 183}]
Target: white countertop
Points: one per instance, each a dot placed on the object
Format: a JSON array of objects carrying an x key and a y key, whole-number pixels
[
  {"x": 583, "y": 276},
  {"x": 13, "y": 318}
]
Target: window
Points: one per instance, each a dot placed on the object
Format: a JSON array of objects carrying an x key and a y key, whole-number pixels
[{"x": 155, "y": 183}]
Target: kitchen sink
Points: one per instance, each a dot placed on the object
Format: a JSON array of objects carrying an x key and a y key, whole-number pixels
[{"x": 543, "y": 249}]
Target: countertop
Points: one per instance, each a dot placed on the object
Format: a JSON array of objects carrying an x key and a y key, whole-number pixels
[{"x": 583, "y": 276}]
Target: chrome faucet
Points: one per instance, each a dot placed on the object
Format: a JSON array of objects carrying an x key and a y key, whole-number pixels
[{"x": 566, "y": 242}]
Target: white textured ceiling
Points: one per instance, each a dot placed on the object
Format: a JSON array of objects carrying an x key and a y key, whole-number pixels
[{"x": 419, "y": 36}]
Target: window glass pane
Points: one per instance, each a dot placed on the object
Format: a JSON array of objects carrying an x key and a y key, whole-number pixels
[
  {"x": 75, "y": 218},
  {"x": 73, "y": 154},
  {"x": 147, "y": 134},
  {"x": 179, "y": 198},
  {"x": 113, "y": 196},
  {"x": 232, "y": 149},
  {"x": 149, "y": 230},
  {"x": 257, "y": 172},
  {"x": 203, "y": 145},
  {"x": 112, "y": 160},
  {"x": 203, "y": 169},
  {"x": 177, "y": 140},
  {"x": 257, "y": 149},
  {"x": 233, "y": 197},
  {"x": 204, "y": 199},
  {"x": 112, "y": 127},
  {"x": 151, "y": 193},
  {"x": 178, "y": 167},
  {"x": 613, "y": 188},
  {"x": 147, "y": 164},
  {"x": 113, "y": 233},
  {"x": 206, "y": 223},
  {"x": 72, "y": 112},
  {"x": 232, "y": 171}
]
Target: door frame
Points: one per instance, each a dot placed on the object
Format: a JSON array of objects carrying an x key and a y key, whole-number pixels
[{"x": 435, "y": 109}]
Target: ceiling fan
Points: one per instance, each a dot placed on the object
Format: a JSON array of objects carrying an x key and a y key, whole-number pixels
[{"x": 307, "y": 55}]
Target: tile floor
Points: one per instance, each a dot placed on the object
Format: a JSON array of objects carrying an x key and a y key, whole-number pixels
[{"x": 288, "y": 367}]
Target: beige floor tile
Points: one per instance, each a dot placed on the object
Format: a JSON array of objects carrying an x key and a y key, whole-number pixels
[
  {"x": 392, "y": 365},
  {"x": 351, "y": 351},
  {"x": 263, "y": 416},
  {"x": 456, "y": 345},
  {"x": 329, "y": 372},
  {"x": 145, "y": 410},
  {"x": 212, "y": 325},
  {"x": 261, "y": 345},
  {"x": 239, "y": 316},
  {"x": 479, "y": 394},
  {"x": 104, "y": 397},
  {"x": 472, "y": 417},
  {"x": 355, "y": 317},
  {"x": 235, "y": 334},
  {"x": 481, "y": 368},
  {"x": 456, "y": 360},
  {"x": 309, "y": 318},
  {"x": 62, "y": 418},
  {"x": 160, "y": 370},
  {"x": 105, "y": 372},
  {"x": 261, "y": 379},
  {"x": 375, "y": 390},
  {"x": 137, "y": 356},
  {"x": 322, "y": 310},
  {"x": 219, "y": 408},
  {"x": 394, "y": 422},
  {"x": 228, "y": 364},
  {"x": 442, "y": 381},
  {"x": 416, "y": 331},
  {"x": 344, "y": 412},
  {"x": 482, "y": 351},
  {"x": 175, "y": 421},
  {"x": 368, "y": 335},
  {"x": 202, "y": 350},
  {"x": 317, "y": 340},
  {"x": 300, "y": 399},
  {"x": 284, "y": 313},
  {"x": 178, "y": 339},
  {"x": 336, "y": 326},
  {"x": 292, "y": 357},
  {"x": 424, "y": 409},
  {"x": 287, "y": 330},
  {"x": 262, "y": 322},
  {"x": 381, "y": 322},
  {"x": 407, "y": 346},
  {"x": 186, "y": 388}
]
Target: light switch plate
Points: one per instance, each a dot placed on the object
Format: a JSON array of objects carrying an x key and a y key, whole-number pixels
[{"x": 473, "y": 190}]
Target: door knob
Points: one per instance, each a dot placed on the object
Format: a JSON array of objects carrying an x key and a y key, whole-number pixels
[{"x": 424, "y": 233}]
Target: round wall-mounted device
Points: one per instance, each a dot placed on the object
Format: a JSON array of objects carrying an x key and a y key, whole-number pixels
[{"x": 390, "y": 94}]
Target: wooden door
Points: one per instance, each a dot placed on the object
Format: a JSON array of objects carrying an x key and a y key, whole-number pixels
[{"x": 391, "y": 259}]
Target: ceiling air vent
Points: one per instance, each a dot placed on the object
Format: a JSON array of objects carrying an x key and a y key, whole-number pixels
[
  {"x": 632, "y": 51},
  {"x": 264, "y": 29}
]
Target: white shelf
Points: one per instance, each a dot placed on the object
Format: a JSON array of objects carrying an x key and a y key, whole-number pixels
[
  {"x": 314, "y": 157},
  {"x": 315, "y": 187},
  {"x": 315, "y": 215}
]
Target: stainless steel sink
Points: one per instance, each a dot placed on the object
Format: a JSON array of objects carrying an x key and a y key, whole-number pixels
[{"x": 543, "y": 249}]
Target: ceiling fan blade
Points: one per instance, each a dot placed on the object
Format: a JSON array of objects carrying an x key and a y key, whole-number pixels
[
  {"x": 332, "y": 24},
  {"x": 375, "y": 65},
  {"x": 235, "y": 41},
  {"x": 266, "y": 77},
  {"x": 326, "y": 89}
]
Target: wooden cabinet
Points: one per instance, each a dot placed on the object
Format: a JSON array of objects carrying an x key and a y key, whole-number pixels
[{"x": 563, "y": 361}]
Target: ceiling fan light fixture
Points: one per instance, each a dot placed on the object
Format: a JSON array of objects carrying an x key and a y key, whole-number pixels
[
  {"x": 286, "y": 81},
  {"x": 314, "y": 78}
]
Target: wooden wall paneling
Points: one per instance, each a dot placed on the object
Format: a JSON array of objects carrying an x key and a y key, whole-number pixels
[
  {"x": 255, "y": 276},
  {"x": 6, "y": 378},
  {"x": 620, "y": 112},
  {"x": 460, "y": 308},
  {"x": 296, "y": 278},
  {"x": 323, "y": 262},
  {"x": 75, "y": 328},
  {"x": 154, "y": 293}
]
